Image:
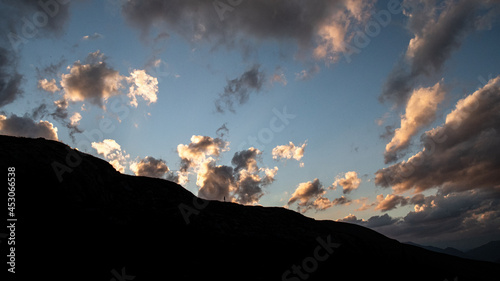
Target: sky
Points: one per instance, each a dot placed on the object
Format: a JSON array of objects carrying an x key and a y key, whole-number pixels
[{"x": 381, "y": 113}]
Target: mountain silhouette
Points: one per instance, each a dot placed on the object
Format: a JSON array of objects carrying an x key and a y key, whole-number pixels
[
  {"x": 487, "y": 252},
  {"x": 80, "y": 219}
]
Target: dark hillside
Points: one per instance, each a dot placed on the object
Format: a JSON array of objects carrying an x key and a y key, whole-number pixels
[{"x": 98, "y": 224}]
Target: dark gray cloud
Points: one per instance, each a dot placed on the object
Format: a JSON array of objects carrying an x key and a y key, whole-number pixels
[
  {"x": 10, "y": 79},
  {"x": 461, "y": 154},
  {"x": 222, "y": 131},
  {"x": 281, "y": 19},
  {"x": 246, "y": 159},
  {"x": 461, "y": 219},
  {"x": 250, "y": 179},
  {"x": 30, "y": 18},
  {"x": 342, "y": 200},
  {"x": 26, "y": 127},
  {"x": 238, "y": 90},
  {"x": 320, "y": 29},
  {"x": 438, "y": 30},
  {"x": 20, "y": 21}
]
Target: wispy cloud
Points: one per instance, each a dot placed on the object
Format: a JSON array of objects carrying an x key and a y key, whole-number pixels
[
  {"x": 437, "y": 30},
  {"x": 420, "y": 111},
  {"x": 238, "y": 90}
]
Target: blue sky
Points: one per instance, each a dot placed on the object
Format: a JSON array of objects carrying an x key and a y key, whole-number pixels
[{"x": 292, "y": 60}]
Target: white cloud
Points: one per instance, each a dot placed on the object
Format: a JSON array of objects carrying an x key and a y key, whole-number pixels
[
  {"x": 75, "y": 119},
  {"x": 143, "y": 85},
  {"x": 49, "y": 86},
  {"x": 112, "y": 152}
]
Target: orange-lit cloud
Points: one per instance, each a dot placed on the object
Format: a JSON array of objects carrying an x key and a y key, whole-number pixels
[
  {"x": 349, "y": 182},
  {"x": 461, "y": 154},
  {"x": 310, "y": 195},
  {"x": 390, "y": 202},
  {"x": 420, "y": 111}
]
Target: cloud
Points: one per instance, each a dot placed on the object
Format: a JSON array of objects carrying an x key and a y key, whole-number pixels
[
  {"x": 222, "y": 131},
  {"x": 461, "y": 154},
  {"x": 112, "y": 152},
  {"x": 279, "y": 77},
  {"x": 49, "y": 86},
  {"x": 390, "y": 202},
  {"x": 349, "y": 183},
  {"x": 310, "y": 195},
  {"x": 420, "y": 111},
  {"x": 238, "y": 90},
  {"x": 342, "y": 200},
  {"x": 106, "y": 147},
  {"x": 289, "y": 151},
  {"x": 94, "y": 81},
  {"x": 216, "y": 182},
  {"x": 468, "y": 218},
  {"x": 27, "y": 127},
  {"x": 17, "y": 32},
  {"x": 437, "y": 31},
  {"x": 143, "y": 85},
  {"x": 10, "y": 79},
  {"x": 200, "y": 148},
  {"x": 56, "y": 17},
  {"x": 75, "y": 119},
  {"x": 321, "y": 29},
  {"x": 242, "y": 183},
  {"x": 305, "y": 75},
  {"x": 150, "y": 167},
  {"x": 249, "y": 177},
  {"x": 372, "y": 222},
  {"x": 92, "y": 37}
]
